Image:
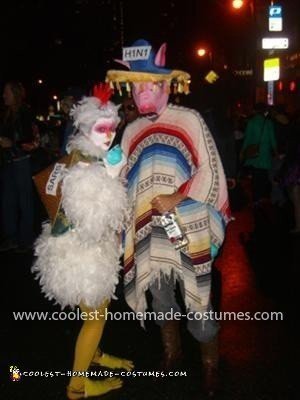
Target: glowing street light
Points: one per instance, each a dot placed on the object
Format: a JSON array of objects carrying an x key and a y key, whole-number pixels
[
  {"x": 55, "y": 97},
  {"x": 201, "y": 52},
  {"x": 40, "y": 81},
  {"x": 237, "y": 4}
]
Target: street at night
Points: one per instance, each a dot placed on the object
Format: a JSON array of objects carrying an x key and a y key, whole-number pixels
[{"x": 258, "y": 358}]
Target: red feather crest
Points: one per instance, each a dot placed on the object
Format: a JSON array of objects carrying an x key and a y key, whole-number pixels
[{"x": 103, "y": 92}]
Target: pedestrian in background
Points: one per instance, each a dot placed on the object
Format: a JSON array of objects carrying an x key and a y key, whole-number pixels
[
  {"x": 259, "y": 146},
  {"x": 18, "y": 138}
]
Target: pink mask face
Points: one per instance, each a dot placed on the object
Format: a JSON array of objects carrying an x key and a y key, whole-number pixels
[
  {"x": 150, "y": 97},
  {"x": 103, "y": 133}
]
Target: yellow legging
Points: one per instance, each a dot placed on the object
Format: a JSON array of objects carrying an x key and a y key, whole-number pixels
[{"x": 87, "y": 343}]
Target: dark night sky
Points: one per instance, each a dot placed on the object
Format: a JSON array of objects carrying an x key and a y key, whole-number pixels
[
  {"x": 73, "y": 42},
  {"x": 66, "y": 41}
]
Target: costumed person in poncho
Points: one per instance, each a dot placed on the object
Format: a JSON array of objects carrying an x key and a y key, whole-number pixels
[
  {"x": 172, "y": 163},
  {"x": 78, "y": 253}
]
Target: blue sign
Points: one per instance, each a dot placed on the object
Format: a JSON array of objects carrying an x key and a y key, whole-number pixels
[
  {"x": 275, "y": 12},
  {"x": 275, "y": 18}
]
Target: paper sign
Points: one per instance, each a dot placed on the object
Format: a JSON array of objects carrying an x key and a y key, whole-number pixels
[
  {"x": 136, "y": 53},
  {"x": 54, "y": 179}
]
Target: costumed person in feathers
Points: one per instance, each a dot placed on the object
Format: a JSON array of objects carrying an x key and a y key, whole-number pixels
[
  {"x": 78, "y": 253},
  {"x": 172, "y": 164}
]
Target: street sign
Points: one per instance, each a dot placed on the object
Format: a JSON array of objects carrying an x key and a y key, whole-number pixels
[
  {"x": 211, "y": 77},
  {"x": 243, "y": 72},
  {"x": 275, "y": 43},
  {"x": 271, "y": 69},
  {"x": 275, "y": 18},
  {"x": 275, "y": 11}
]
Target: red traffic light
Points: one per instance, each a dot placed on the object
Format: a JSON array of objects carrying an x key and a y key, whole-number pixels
[
  {"x": 280, "y": 86},
  {"x": 292, "y": 86}
]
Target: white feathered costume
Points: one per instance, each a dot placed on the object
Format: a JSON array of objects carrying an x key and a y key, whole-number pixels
[{"x": 82, "y": 264}]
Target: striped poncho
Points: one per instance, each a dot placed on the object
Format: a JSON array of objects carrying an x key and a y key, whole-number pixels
[{"x": 174, "y": 152}]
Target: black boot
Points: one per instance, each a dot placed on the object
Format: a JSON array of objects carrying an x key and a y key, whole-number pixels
[
  {"x": 210, "y": 361},
  {"x": 170, "y": 336}
]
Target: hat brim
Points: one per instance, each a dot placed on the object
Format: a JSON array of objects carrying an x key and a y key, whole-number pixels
[{"x": 119, "y": 76}]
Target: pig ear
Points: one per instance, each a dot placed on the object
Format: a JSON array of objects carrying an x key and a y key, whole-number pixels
[
  {"x": 125, "y": 63},
  {"x": 160, "y": 58}
]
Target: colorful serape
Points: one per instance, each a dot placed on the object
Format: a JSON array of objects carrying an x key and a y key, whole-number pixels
[{"x": 174, "y": 152}]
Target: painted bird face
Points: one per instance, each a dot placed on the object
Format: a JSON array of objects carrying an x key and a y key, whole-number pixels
[{"x": 103, "y": 132}]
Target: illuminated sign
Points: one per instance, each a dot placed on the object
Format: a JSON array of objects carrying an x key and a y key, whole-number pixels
[
  {"x": 275, "y": 18},
  {"x": 275, "y": 43},
  {"x": 211, "y": 77},
  {"x": 271, "y": 69},
  {"x": 243, "y": 72}
]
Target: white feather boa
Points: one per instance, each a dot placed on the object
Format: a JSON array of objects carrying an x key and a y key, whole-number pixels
[
  {"x": 72, "y": 272},
  {"x": 94, "y": 203},
  {"x": 80, "y": 142}
]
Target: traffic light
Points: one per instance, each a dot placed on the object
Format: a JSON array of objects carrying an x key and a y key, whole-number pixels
[
  {"x": 292, "y": 86},
  {"x": 280, "y": 86}
]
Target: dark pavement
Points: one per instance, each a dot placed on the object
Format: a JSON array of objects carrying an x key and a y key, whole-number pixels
[{"x": 259, "y": 359}]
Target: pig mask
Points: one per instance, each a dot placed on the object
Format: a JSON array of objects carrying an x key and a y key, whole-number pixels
[{"x": 151, "y": 97}]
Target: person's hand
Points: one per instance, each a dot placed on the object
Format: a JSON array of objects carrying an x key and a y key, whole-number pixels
[
  {"x": 5, "y": 142},
  {"x": 167, "y": 202}
]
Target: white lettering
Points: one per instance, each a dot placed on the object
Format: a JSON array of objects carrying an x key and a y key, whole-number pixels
[{"x": 54, "y": 179}]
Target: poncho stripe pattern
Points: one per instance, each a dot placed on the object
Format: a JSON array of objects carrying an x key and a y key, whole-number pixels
[{"x": 174, "y": 152}]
